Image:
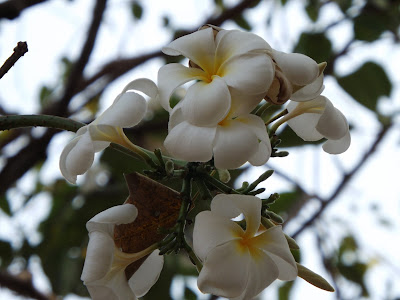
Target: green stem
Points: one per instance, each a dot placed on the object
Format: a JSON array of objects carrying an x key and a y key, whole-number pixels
[
  {"x": 218, "y": 184},
  {"x": 276, "y": 117},
  {"x": 262, "y": 109},
  {"x": 18, "y": 121}
]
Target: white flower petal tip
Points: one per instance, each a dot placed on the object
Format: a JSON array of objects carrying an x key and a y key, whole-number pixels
[
  {"x": 298, "y": 68},
  {"x": 128, "y": 110},
  {"x": 104, "y": 269},
  {"x": 239, "y": 263},
  {"x": 317, "y": 119}
]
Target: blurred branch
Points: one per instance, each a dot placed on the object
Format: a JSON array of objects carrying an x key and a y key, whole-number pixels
[
  {"x": 19, "y": 51},
  {"x": 345, "y": 180},
  {"x": 35, "y": 151},
  {"x": 23, "y": 287},
  {"x": 12, "y": 8}
]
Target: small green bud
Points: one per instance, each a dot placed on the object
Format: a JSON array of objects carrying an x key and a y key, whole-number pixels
[
  {"x": 313, "y": 278},
  {"x": 274, "y": 217},
  {"x": 224, "y": 175},
  {"x": 169, "y": 167}
]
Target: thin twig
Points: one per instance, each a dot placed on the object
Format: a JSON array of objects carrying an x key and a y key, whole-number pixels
[
  {"x": 345, "y": 180},
  {"x": 23, "y": 287},
  {"x": 19, "y": 51},
  {"x": 12, "y": 8}
]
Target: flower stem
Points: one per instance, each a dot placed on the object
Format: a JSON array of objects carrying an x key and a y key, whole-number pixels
[{"x": 18, "y": 121}]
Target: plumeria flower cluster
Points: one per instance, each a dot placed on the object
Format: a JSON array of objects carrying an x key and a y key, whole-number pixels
[{"x": 233, "y": 77}]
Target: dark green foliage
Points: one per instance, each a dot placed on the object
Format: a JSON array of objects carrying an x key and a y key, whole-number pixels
[
  {"x": 137, "y": 10},
  {"x": 315, "y": 45},
  {"x": 241, "y": 21},
  {"x": 367, "y": 84}
]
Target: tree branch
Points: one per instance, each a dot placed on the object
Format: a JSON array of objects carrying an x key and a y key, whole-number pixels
[
  {"x": 23, "y": 287},
  {"x": 345, "y": 180},
  {"x": 12, "y": 8},
  {"x": 19, "y": 51}
]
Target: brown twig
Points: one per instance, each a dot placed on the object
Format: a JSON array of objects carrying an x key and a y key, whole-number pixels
[
  {"x": 19, "y": 51},
  {"x": 345, "y": 180},
  {"x": 12, "y": 8},
  {"x": 23, "y": 287}
]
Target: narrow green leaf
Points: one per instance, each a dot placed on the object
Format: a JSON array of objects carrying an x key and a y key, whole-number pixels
[
  {"x": 4, "y": 205},
  {"x": 313, "y": 278},
  {"x": 242, "y": 22},
  {"x": 367, "y": 84}
]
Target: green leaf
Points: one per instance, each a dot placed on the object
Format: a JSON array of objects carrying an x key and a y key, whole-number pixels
[
  {"x": 6, "y": 254},
  {"x": 44, "y": 96},
  {"x": 284, "y": 290},
  {"x": 367, "y": 84},
  {"x": 137, "y": 10},
  {"x": 189, "y": 294},
  {"x": 242, "y": 22},
  {"x": 370, "y": 25},
  {"x": 315, "y": 45},
  {"x": 312, "y": 10},
  {"x": 4, "y": 205},
  {"x": 344, "y": 4}
]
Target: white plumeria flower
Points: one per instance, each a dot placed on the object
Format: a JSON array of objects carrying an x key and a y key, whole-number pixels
[
  {"x": 104, "y": 269},
  {"x": 297, "y": 77},
  {"x": 317, "y": 119},
  {"x": 232, "y": 142},
  {"x": 229, "y": 62},
  {"x": 128, "y": 109},
  {"x": 239, "y": 263}
]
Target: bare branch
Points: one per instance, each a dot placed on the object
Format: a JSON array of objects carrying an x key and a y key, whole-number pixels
[
  {"x": 12, "y": 8},
  {"x": 19, "y": 51},
  {"x": 345, "y": 180},
  {"x": 23, "y": 287}
]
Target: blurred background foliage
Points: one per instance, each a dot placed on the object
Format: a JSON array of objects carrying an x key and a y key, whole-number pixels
[{"x": 62, "y": 237}]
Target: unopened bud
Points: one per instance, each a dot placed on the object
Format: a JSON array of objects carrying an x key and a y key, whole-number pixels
[
  {"x": 224, "y": 175},
  {"x": 169, "y": 167},
  {"x": 280, "y": 90}
]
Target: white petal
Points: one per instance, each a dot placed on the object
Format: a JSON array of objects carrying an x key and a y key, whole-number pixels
[
  {"x": 262, "y": 272},
  {"x": 225, "y": 271},
  {"x": 242, "y": 103},
  {"x": 232, "y": 206},
  {"x": 99, "y": 256},
  {"x": 273, "y": 241},
  {"x": 206, "y": 104},
  {"x": 332, "y": 124},
  {"x": 262, "y": 155},
  {"x": 249, "y": 73},
  {"x": 234, "y": 144},
  {"x": 198, "y": 46},
  {"x": 99, "y": 292},
  {"x": 127, "y": 111},
  {"x": 147, "y": 274},
  {"x": 172, "y": 76},
  {"x": 309, "y": 91},
  {"x": 63, "y": 160},
  {"x": 256, "y": 125},
  {"x": 80, "y": 157},
  {"x": 236, "y": 42},
  {"x": 105, "y": 220},
  {"x": 304, "y": 125},
  {"x": 337, "y": 146},
  {"x": 190, "y": 143},
  {"x": 211, "y": 230},
  {"x": 175, "y": 116},
  {"x": 143, "y": 85},
  {"x": 298, "y": 68}
]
